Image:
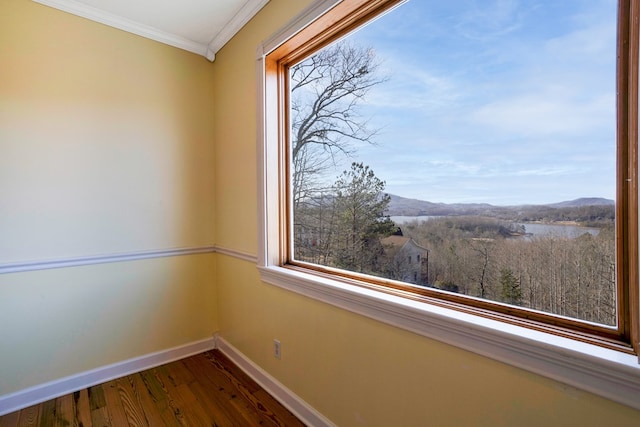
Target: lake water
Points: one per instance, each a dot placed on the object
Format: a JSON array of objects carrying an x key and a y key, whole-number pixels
[
  {"x": 405, "y": 219},
  {"x": 557, "y": 230}
]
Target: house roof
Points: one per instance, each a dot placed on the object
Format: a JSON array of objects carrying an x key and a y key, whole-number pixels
[
  {"x": 400, "y": 241},
  {"x": 395, "y": 240}
]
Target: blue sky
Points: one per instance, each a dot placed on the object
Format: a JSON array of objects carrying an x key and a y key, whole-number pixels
[{"x": 498, "y": 101}]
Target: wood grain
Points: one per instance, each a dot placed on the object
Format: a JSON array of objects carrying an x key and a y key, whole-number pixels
[
  {"x": 30, "y": 416},
  {"x": 65, "y": 412}
]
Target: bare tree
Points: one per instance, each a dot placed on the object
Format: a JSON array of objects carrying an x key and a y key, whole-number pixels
[
  {"x": 326, "y": 91},
  {"x": 482, "y": 248}
]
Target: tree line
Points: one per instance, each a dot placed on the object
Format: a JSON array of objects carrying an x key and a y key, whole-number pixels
[
  {"x": 479, "y": 257},
  {"x": 572, "y": 277},
  {"x": 588, "y": 216}
]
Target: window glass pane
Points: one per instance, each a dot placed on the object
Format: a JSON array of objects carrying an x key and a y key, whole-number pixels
[{"x": 465, "y": 146}]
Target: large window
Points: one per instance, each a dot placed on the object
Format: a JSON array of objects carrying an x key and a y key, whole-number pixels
[
  {"x": 475, "y": 156},
  {"x": 481, "y": 135}
]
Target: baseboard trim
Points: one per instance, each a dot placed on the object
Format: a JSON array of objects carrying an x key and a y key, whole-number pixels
[
  {"x": 301, "y": 409},
  {"x": 47, "y": 391}
]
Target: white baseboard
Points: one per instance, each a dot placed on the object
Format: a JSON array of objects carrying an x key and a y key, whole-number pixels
[
  {"x": 301, "y": 409},
  {"x": 51, "y": 390},
  {"x": 47, "y": 391}
]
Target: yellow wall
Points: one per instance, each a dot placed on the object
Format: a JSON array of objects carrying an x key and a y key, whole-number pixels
[
  {"x": 106, "y": 146},
  {"x": 354, "y": 370}
]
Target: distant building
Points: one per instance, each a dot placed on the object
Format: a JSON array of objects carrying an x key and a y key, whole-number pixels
[{"x": 405, "y": 260}]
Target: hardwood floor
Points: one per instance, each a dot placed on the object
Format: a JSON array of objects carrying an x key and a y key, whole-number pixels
[{"x": 202, "y": 390}]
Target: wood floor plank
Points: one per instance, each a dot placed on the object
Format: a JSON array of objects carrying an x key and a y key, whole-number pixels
[
  {"x": 133, "y": 410},
  {"x": 66, "y": 412},
  {"x": 203, "y": 390},
  {"x": 235, "y": 374},
  {"x": 244, "y": 385},
  {"x": 30, "y": 416},
  {"x": 186, "y": 407},
  {"x": 248, "y": 388},
  {"x": 83, "y": 408},
  {"x": 192, "y": 413},
  {"x": 117, "y": 413},
  {"x": 239, "y": 396},
  {"x": 262, "y": 401},
  {"x": 217, "y": 408},
  {"x": 48, "y": 413},
  {"x": 10, "y": 420},
  {"x": 203, "y": 369},
  {"x": 98, "y": 405},
  {"x": 277, "y": 413},
  {"x": 151, "y": 412},
  {"x": 161, "y": 399},
  {"x": 177, "y": 373}
]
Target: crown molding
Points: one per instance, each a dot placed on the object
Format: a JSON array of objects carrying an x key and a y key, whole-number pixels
[
  {"x": 250, "y": 8},
  {"x": 248, "y": 11},
  {"x": 112, "y": 20}
]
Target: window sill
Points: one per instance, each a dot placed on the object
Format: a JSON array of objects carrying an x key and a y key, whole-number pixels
[{"x": 604, "y": 372}]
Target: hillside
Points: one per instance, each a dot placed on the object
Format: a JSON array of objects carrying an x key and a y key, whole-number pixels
[
  {"x": 584, "y": 201},
  {"x": 414, "y": 207}
]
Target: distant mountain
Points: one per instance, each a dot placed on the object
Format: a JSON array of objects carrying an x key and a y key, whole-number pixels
[
  {"x": 414, "y": 207},
  {"x": 584, "y": 201},
  {"x": 402, "y": 206},
  {"x": 411, "y": 207}
]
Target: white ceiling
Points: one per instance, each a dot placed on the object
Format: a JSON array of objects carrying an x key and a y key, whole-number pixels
[{"x": 199, "y": 26}]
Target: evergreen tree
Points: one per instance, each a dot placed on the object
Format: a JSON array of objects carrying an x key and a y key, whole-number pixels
[
  {"x": 360, "y": 219},
  {"x": 511, "y": 292}
]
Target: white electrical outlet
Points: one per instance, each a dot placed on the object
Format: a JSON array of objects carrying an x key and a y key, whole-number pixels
[{"x": 276, "y": 349}]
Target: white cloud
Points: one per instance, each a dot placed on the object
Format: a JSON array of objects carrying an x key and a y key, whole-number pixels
[
  {"x": 490, "y": 19},
  {"x": 547, "y": 114},
  {"x": 413, "y": 88}
]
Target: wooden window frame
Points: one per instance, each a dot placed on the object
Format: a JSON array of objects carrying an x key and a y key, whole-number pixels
[{"x": 328, "y": 20}]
